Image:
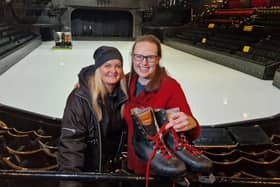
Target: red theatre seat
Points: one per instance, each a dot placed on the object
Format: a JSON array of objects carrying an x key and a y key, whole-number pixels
[
  {"x": 235, "y": 12},
  {"x": 259, "y": 3},
  {"x": 233, "y": 4},
  {"x": 275, "y": 3}
]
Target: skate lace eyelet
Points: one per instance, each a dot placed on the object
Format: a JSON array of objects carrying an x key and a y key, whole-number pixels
[{"x": 181, "y": 142}]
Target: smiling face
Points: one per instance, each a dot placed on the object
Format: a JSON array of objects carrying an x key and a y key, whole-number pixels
[
  {"x": 145, "y": 59},
  {"x": 111, "y": 73}
]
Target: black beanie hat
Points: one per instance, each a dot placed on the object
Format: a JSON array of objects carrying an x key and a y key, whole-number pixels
[{"x": 105, "y": 53}]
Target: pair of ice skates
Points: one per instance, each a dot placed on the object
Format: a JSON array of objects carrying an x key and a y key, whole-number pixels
[{"x": 166, "y": 151}]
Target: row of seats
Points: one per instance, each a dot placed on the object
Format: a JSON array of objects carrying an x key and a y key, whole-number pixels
[
  {"x": 26, "y": 150},
  {"x": 250, "y": 44},
  {"x": 12, "y": 37},
  {"x": 235, "y": 157},
  {"x": 252, "y": 3},
  {"x": 261, "y": 48},
  {"x": 237, "y": 151},
  {"x": 241, "y": 16}
]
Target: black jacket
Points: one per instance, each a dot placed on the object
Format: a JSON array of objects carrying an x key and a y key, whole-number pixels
[{"x": 80, "y": 146}]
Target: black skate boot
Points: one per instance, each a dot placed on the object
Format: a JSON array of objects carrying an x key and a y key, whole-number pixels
[
  {"x": 149, "y": 146},
  {"x": 178, "y": 144}
]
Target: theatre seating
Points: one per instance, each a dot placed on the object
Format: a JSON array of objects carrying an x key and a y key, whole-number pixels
[
  {"x": 26, "y": 150},
  {"x": 244, "y": 35},
  {"x": 275, "y": 3},
  {"x": 233, "y": 4},
  {"x": 249, "y": 49},
  {"x": 252, "y": 3},
  {"x": 193, "y": 34},
  {"x": 250, "y": 152},
  {"x": 259, "y": 3},
  {"x": 12, "y": 37},
  {"x": 236, "y": 150},
  {"x": 39, "y": 159}
]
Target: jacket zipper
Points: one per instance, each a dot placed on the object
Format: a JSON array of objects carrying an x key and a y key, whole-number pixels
[{"x": 99, "y": 132}]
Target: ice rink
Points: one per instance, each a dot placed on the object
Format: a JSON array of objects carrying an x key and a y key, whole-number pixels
[{"x": 41, "y": 82}]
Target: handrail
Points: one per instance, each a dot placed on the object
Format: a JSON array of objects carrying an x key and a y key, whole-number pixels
[{"x": 75, "y": 176}]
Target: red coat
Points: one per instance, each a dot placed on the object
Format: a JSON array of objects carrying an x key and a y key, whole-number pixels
[{"x": 169, "y": 95}]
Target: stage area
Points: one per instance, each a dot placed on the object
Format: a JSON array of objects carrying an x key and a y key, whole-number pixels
[{"x": 41, "y": 82}]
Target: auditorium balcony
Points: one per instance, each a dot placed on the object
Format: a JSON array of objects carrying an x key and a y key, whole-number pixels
[
  {"x": 245, "y": 39},
  {"x": 16, "y": 41},
  {"x": 28, "y": 150}
]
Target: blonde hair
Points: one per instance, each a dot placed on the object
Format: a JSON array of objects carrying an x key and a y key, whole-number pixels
[{"x": 98, "y": 90}]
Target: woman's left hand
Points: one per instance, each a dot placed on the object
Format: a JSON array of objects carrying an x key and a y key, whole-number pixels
[{"x": 181, "y": 122}]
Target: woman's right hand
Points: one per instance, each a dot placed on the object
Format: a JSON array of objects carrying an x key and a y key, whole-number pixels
[{"x": 181, "y": 122}]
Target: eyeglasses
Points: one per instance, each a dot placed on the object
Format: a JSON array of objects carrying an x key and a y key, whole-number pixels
[{"x": 148, "y": 58}]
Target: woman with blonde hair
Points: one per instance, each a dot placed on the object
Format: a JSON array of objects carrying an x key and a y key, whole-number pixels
[{"x": 92, "y": 130}]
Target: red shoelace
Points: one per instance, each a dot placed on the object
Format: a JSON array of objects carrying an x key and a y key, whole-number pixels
[
  {"x": 158, "y": 145},
  {"x": 181, "y": 142}
]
